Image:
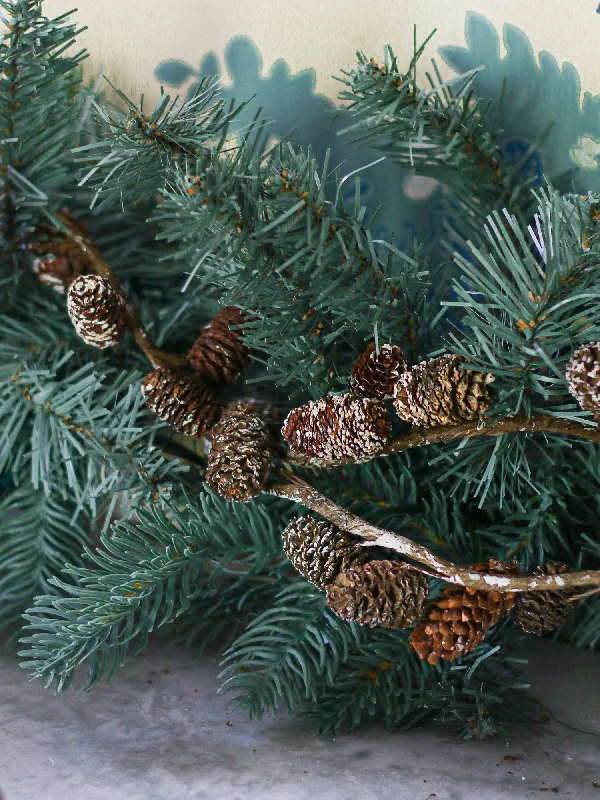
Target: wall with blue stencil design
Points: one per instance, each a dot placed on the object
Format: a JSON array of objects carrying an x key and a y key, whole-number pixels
[{"x": 542, "y": 105}]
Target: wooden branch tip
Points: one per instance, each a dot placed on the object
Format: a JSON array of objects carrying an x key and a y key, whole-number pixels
[{"x": 306, "y": 495}]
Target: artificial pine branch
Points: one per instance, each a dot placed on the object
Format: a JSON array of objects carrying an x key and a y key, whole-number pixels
[
  {"x": 39, "y": 107},
  {"x": 265, "y": 247}
]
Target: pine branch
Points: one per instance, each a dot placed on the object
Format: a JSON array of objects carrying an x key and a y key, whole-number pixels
[
  {"x": 142, "y": 577},
  {"x": 441, "y": 131},
  {"x": 38, "y": 535},
  {"x": 383, "y": 678},
  {"x": 423, "y": 437},
  {"x": 39, "y": 85},
  {"x": 287, "y": 652}
]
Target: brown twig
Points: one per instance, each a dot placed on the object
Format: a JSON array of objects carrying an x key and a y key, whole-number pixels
[
  {"x": 300, "y": 492},
  {"x": 101, "y": 267},
  {"x": 537, "y": 423}
]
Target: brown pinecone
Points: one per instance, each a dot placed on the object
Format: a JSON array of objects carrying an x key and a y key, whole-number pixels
[
  {"x": 440, "y": 392},
  {"x": 384, "y": 594},
  {"x": 319, "y": 550},
  {"x": 543, "y": 612},
  {"x": 375, "y": 374},
  {"x": 458, "y": 620},
  {"x": 218, "y": 354},
  {"x": 338, "y": 428},
  {"x": 181, "y": 400},
  {"x": 97, "y": 311},
  {"x": 59, "y": 263},
  {"x": 240, "y": 453},
  {"x": 583, "y": 376}
]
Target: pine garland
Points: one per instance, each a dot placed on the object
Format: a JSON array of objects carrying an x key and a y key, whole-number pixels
[{"x": 285, "y": 288}]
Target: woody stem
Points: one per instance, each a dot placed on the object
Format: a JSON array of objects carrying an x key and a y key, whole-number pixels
[
  {"x": 300, "y": 492},
  {"x": 537, "y": 423}
]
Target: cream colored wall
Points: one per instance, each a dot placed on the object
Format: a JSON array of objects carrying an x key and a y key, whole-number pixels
[{"x": 128, "y": 38}]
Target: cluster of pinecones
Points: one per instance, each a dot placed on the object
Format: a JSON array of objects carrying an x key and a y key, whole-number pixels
[
  {"x": 392, "y": 594},
  {"x": 357, "y": 425},
  {"x": 186, "y": 397}
]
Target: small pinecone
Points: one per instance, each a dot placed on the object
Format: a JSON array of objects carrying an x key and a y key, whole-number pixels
[
  {"x": 319, "y": 550},
  {"x": 583, "y": 376},
  {"x": 375, "y": 374},
  {"x": 543, "y": 612},
  {"x": 384, "y": 594},
  {"x": 440, "y": 392},
  {"x": 459, "y": 619},
  {"x": 338, "y": 428},
  {"x": 58, "y": 263},
  {"x": 218, "y": 355},
  {"x": 181, "y": 400},
  {"x": 240, "y": 454},
  {"x": 97, "y": 311}
]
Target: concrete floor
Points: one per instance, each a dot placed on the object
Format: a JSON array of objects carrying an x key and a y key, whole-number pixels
[{"x": 159, "y": 731}]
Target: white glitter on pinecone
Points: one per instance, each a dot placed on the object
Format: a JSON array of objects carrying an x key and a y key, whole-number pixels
[
  {"x": 583, "y": 376},
  {"x": 338, "y": 428},
  {"x": 97, "y": 311}
]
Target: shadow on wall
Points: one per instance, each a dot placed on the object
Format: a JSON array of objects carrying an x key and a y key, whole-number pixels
[{"x": 539, "y": 98}]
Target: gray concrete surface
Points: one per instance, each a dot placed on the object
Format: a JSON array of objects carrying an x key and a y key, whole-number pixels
[{"x": 159, "y": 731}]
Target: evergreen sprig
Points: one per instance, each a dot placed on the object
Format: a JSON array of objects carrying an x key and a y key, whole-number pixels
[
  {"x": 442, "y": 131},
  {"x": 39, "y": 108},
  {"x": 141, "y": 577}
]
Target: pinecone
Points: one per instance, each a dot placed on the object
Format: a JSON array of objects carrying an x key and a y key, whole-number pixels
[
  {"x": 181, "y": 400},
  {"x": 240, "y": 454},
  {"x": 375, "y": 374},
  {"x": 59, "y": 263},
  {"x": 544, "y": 612},
  {"x": 338, "y": 428},
  {"x": 218, "y": 354},
  {"x": 97, "y": 311},
  {"x": 459, "y": 619},
  {"x": 583, "y": 376},
  {"x": 384, "y": 594},
  {"x": 319, "y": 550},
  {"x": 440, "y": 392}
]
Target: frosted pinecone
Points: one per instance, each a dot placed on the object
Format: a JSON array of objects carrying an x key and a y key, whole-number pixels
[
  {"x": 240, "y": 454},
  {"x": 97, "y": 311},
  {"x": 375, "y": 374},
  {"x": 440, "y": 392},
  {"x": 181, "y": 400},
  {"x": 583, "y": 376},
  {"x": 383, "y": 594},
  {"x": 338, "y": 428},
  {"x": 320, "y": 550}
]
